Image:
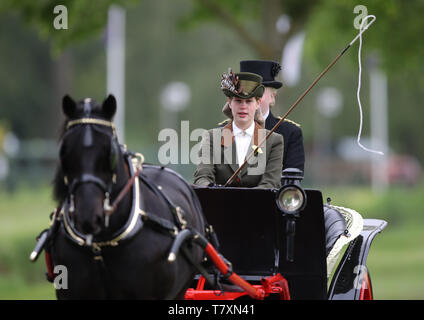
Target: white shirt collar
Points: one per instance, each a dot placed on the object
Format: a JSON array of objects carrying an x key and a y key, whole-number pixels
[
  {"x": 249, "y": 131},
  {"x": 266, "y": 115}
]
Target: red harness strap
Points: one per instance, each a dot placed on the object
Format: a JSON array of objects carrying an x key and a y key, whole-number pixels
[{"x": 49, "y": 265}]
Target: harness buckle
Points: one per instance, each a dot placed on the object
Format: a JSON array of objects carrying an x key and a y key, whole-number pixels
[
  {"x": 71, "y": 204},
  {"x": 182, "y": 221},
  {"x": 97, "y": 252},
  {"x": 107, "y": 208}
]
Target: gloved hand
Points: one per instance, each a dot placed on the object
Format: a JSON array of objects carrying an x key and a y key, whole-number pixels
[{"x": 213, "y": 185}]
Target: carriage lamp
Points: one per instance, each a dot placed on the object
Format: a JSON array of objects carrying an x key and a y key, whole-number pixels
[
  {"x": 291, "y": 176},
  {"x": 291, "y": 199}
]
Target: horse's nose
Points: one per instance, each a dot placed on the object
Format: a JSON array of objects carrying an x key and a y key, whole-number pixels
[
  {"x": 99, "y": 223},
  {"x": 92, "y": 227},
  {"x": 89, "y": 209},
  {"x": 87, "y": 227}
]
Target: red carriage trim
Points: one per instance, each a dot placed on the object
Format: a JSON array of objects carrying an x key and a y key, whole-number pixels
[
  {"x": 256, "y": 293},
  {"x": 276, "y": 284},
  {"x": 366, "y": 290}
]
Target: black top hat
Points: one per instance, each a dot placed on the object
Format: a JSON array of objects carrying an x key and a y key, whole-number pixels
[{"x": 267, "y": 69}]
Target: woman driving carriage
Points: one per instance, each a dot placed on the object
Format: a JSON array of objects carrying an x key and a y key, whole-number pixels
[{"x": 224, "y": 149}]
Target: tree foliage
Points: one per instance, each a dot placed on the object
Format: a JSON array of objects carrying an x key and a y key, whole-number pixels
[
  {"x": 240, "y": 15},
  {"x": 85, "y": 18},
  {"x": 217, "y": 34},
  {"x": 328, "y": 23},
  {"x": 396, "y": 34}
]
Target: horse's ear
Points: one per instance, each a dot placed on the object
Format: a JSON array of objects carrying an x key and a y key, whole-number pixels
[
  {"x": 109, "y": 106},
  {"x": 69, "y": 106}
]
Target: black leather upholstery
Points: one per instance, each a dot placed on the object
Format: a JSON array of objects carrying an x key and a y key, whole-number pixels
[{"x": 335, "y": 226}]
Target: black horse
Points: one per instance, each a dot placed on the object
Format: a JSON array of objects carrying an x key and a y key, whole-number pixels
[{"x": 124, "y": 256}]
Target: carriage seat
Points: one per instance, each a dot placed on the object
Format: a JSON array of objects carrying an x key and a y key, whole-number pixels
[{"x": 335, "y": 226}]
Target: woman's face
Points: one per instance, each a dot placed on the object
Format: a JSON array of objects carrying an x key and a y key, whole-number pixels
[{"x": 243, "y": 110}]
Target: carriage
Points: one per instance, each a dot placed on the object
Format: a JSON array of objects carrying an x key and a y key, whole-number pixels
[
  {"x": 159, "y": 232},
  {"x": 288, "y": 243}
]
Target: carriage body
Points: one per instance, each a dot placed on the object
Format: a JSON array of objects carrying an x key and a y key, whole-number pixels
[{"x": 255, "y": 236}]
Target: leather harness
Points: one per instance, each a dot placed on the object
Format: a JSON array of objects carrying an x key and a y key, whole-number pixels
[{"x": 61, "y": 218}]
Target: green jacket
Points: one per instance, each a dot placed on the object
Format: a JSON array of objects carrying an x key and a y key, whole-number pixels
[{"x": 218, "y": 159}]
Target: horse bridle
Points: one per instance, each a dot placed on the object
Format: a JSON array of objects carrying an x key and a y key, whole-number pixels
[{"x": 90, "y": 178}]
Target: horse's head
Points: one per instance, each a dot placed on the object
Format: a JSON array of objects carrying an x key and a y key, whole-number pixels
[{"x": 88, "y": 157}]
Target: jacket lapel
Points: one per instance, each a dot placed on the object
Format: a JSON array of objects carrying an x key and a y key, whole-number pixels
[{"x": 228, "y": 146}]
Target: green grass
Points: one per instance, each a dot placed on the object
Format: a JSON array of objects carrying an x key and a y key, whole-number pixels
[
  {"x": 15, "y": 288},
  {"x": 23, "y": 215},
  {"x": 396, "y": 259},
  {"x": 396, "y": 263}
]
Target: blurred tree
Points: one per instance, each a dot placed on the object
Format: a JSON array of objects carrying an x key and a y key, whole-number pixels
[
  {"x": 267, "y": 41},
  {"x": 328, "y": 23},
  {"x": 395, "y": 38},
  {"x": 85, "y": 18},
  {"x": 25, "y": 71},
  {"x": 395, "y": 35},
  {"x": 32, "y": 83}
]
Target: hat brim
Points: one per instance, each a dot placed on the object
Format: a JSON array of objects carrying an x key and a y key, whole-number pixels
[
  {"x": 258, "y": 92},
  {"x": 273, "y": 84}
]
